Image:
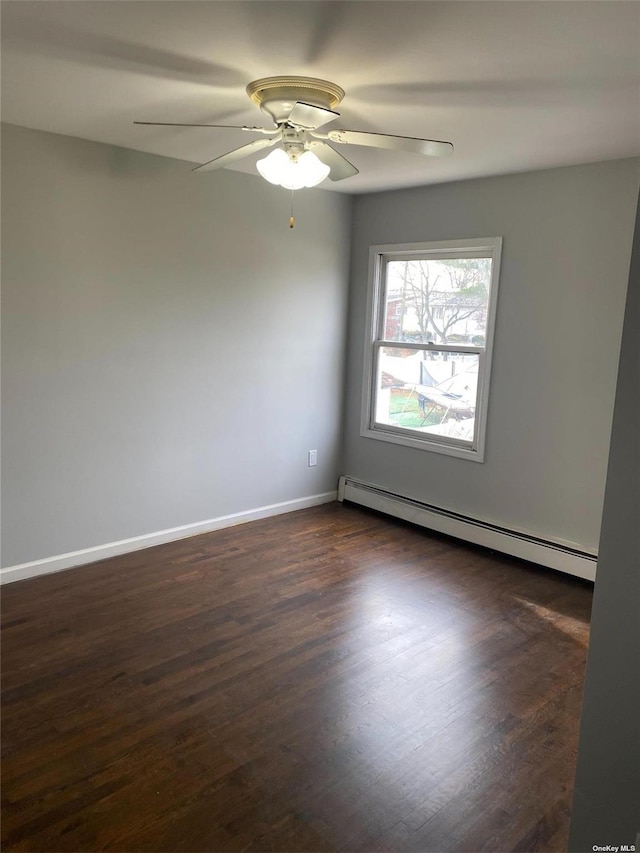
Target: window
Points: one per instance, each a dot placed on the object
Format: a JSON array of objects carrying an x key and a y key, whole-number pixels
[{"x": 428, "y": 349}]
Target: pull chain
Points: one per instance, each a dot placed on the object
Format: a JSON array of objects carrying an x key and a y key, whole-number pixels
[{"x": 292, "y": 220}]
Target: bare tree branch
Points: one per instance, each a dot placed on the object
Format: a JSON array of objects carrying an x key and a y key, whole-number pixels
[{"x": 438, "y": 308}]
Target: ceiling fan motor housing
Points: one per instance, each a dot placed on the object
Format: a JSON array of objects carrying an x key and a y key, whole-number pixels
[{"x": 277, "y": 96}]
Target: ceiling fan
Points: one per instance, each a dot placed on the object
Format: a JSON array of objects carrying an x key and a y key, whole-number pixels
[{"x": 299, "y": 106}]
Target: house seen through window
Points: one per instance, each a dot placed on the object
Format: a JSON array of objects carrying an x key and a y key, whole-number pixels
[{"x": 429, "y": 350}]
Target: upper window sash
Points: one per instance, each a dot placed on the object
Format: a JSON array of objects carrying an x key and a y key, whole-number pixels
[{"x": 455, "y": 250}]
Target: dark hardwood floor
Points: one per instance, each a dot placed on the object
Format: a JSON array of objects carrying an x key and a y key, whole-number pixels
[{"x": 320, "y": 681}]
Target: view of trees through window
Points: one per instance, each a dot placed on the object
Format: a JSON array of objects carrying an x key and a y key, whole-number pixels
[
  {"x": 439, "y": 307},
  {"x": 438, "y": 301}
]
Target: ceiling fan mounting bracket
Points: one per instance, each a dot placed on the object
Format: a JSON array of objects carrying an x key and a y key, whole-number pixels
[{"x": 278, "y": 95}]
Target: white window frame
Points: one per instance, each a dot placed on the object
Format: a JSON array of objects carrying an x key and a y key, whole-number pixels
[{"x": 379, "y": 256}]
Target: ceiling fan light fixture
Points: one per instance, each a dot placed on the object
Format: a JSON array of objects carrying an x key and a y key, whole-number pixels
[{"x": 291, "y": 172}]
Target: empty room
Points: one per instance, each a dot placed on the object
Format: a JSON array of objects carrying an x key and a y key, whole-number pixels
[{"x": 320, "y": 425}]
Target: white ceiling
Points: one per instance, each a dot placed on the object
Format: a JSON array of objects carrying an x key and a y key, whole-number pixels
[{"x": 514, "y": 85}]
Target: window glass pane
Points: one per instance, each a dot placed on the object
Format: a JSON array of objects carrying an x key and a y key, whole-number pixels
[
  {"x": 441, "y": 301},
  {"x": 427, "y": 391}
]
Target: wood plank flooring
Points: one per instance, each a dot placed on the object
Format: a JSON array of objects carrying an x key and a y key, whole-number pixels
[{"x": 328, "y": 680}]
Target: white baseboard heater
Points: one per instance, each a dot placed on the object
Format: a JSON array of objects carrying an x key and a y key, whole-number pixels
[{"x": 554, "y": 555}]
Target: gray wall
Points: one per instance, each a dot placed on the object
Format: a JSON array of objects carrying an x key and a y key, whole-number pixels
[
  {"x": 566, "y": 245},
  {"x": 170, "y": 349},
  {"x": 606, "y": 808}
]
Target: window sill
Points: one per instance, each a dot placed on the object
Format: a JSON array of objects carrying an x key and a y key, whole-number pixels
[{"x": 431, "y": 444}]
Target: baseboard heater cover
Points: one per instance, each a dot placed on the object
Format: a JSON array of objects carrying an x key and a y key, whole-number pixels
[{"x": 553, "y": 555}]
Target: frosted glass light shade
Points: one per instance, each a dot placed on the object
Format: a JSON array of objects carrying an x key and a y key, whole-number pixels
[{"x": 278, "y": 168}]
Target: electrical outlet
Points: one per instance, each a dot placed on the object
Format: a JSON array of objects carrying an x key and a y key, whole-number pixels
[{"x": 313, "y": 458}]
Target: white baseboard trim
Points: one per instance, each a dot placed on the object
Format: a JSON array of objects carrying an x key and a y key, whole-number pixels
[
  {"x": 565, "y": 557},
  {"x": 125, "y": 546}
]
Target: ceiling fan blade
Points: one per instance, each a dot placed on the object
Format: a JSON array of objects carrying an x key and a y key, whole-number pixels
[
  {"x": 308, "y": 116},
  {"x": 428, "y": 147},
  {"x": 237, "y": 154},
  {"x": 227, "y": 126},
  {"x": 340, "y": 167}
]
